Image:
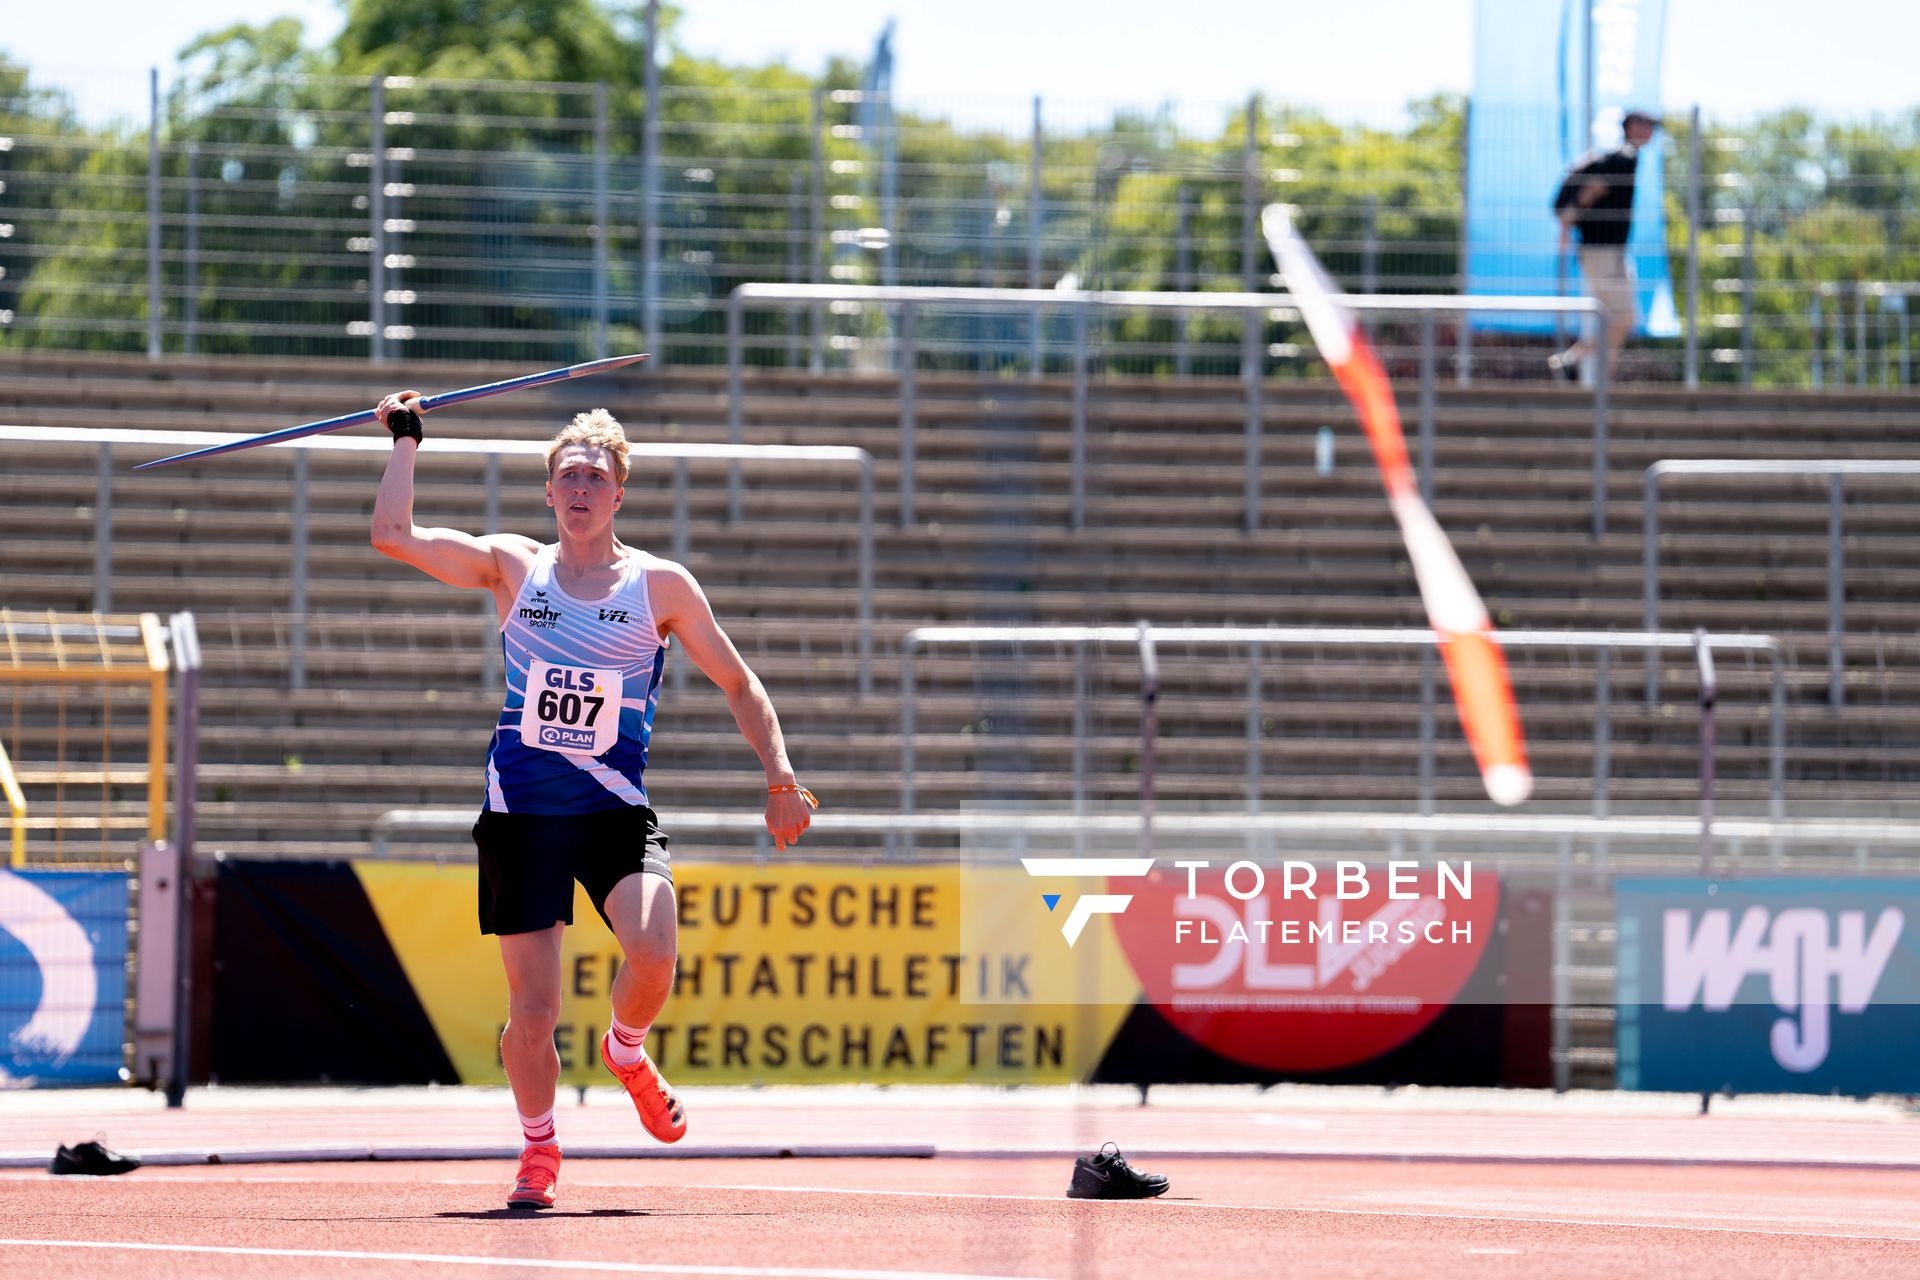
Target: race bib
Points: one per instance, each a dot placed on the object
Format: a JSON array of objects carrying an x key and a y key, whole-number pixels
[{"x": 571, "y": 709}]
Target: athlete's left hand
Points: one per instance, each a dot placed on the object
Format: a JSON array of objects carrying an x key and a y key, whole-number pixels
[{"x": 789, "y": 814}]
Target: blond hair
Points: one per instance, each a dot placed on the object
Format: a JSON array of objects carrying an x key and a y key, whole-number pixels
[{"x": 597, "y": 430}]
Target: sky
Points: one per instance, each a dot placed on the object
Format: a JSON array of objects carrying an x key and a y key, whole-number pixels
[{"x": 981, "y": 61}]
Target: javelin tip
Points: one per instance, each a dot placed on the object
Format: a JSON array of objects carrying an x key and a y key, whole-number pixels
[
  {"x": 601, "y": 366},
  {"x": 1508, "y": 784}
]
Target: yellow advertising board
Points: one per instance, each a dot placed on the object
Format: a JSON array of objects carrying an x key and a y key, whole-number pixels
[{"x": 788, "y": 973}]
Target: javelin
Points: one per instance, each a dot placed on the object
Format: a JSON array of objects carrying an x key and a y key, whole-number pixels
[
  {"x": 427, "y": 403},
  {"x": 1482, "y": 689}
]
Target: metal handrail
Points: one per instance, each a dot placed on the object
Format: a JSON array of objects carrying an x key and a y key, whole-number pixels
[
  {"x": 1700, "y": 643},
  {"x": 1081, "y": 301},
  {"x": 1777, "y": 832},
  {"x": 1835, "y": 469},
  {"x": 167, "y": 441}
]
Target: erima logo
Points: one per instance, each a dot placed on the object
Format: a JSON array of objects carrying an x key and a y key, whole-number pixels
[
  {"x": 1092, "y": 904},
  {"x": 614, "y": 615},
  {"x": 1808, "y": 969}
]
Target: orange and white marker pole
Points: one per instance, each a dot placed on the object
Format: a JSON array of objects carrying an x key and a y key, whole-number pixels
[{"x": 1475, "y": 662}]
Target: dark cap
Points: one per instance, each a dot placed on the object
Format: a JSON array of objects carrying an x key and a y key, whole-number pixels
[{"x": 1644, "y": 117}]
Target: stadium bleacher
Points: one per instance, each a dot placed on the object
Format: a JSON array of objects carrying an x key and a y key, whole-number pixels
[{"x": 312, "y": 767}]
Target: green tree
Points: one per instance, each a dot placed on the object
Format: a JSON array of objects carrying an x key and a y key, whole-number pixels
[{"x": 485, "y": 195}]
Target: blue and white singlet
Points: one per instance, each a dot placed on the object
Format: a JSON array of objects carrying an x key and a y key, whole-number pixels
[{"x": 583, "y": 681}]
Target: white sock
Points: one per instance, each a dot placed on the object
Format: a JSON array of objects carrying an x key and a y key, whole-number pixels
[
  {"x": 537, "y": 1130},
  {"x": 626, "y": 1044}
]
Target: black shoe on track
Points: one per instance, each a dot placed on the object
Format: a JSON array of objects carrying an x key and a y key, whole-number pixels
[
  {"x": 1105, "y": 1175},
  {"x": 91, "y": 1159}
]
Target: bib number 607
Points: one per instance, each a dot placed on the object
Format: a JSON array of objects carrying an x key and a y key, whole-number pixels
[{"x": 555, "y": 707}]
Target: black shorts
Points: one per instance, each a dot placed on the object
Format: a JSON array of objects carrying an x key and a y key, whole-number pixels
[{"x": 529, "y": 861}]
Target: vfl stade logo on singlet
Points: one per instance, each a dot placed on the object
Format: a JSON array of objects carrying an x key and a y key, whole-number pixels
[
  {"x": 539, "y": 614},
  {"x": 614, "y": 615}
]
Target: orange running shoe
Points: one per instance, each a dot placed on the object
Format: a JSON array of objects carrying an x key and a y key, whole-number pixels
[
  {"x": 538, "y": 1180},
  {"x": 659, "y": 1110}
]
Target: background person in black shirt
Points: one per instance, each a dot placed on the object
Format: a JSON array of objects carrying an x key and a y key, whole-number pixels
[{"x": 1596, "y": 201}]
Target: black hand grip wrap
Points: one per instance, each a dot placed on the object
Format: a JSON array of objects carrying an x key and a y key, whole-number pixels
[{"x": 404, "y": 423}]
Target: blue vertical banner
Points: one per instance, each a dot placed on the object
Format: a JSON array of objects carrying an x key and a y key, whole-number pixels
[
  {"x": 1769, "y": 985},
  {"x": 877, "y": 126},
  {"x": 63, "y": 976},
  {"x": 1530, "y": 77}
]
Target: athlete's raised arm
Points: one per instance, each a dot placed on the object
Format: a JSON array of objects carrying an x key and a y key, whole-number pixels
[
  {"x": 456, "y": 558},
  {"x": 680, "y": 608}
]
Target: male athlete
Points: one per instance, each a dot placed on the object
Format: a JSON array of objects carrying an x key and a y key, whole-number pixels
[{"x": 584, "y": 628}]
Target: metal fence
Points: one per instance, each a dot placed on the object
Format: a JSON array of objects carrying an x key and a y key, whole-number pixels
[
  {"x": 1256, "y": 642},
  {"x": 476, "y": 218},
  {"x": 133, "y": 439},
  {"x": 1034, "y": 308},
  {"x": 1835, "y": 471}
]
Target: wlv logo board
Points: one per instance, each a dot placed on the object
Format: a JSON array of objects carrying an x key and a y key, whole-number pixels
[
  {"x": 1789, "y": 985},
  {"x": 63, "y": 976}
]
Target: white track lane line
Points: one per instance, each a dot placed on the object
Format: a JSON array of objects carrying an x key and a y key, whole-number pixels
[
  {"x": 1170, "y": 1204},
  {"x": 1308, "y": 1209},
  {"x": 544, "y": 1264}
]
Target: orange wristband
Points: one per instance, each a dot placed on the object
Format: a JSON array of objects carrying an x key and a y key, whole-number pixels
[{"x": 795, "y": 788}]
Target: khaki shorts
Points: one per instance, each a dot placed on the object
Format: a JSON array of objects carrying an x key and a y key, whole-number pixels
[{"x": 1608, "y": 275}]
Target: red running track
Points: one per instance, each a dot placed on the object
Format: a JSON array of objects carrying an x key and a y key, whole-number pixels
[{"x": 973, "y": 1216}]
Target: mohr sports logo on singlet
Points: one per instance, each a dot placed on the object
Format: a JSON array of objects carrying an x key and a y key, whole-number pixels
[{"x": 539, "y": 613}]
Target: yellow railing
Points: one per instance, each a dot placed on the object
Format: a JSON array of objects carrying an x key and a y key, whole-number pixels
[
  {"x": 60, "y": 651},
  {"x": 17, "y": 805}
]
